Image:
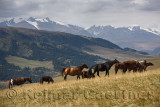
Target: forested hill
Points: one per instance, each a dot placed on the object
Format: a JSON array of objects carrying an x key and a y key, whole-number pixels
[{"x": 62, "y": 49}]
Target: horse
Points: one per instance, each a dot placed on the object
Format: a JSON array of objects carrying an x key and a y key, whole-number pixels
[
  {"x": 141, "y": 63},
  {"x": 121, "y": 66},
  {"x": 47, "y": 79},
  {"x": 132, "y": 65},
  {"x": 18, "y": 81},
  {"x": 145, "y": 65},
  {"x": 102, "y": 67},
  {"x": 85, "y": 74},
  {"x": 73, "y": 71}
]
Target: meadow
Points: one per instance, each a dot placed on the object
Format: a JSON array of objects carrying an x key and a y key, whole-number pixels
[
  {"x": 122, "y": 90},
  {"x": 22, "y": 62}
]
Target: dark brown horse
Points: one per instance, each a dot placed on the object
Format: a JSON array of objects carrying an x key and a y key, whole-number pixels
[
  {"x": 18, "y": 81},
  {"x": 132, "y": 65},
  {"x": 102, "y": 67},
  {"x": 47, "y": 79},
  {"x": 73, "y": 71},
  {"x": 121, "y": 66},
  {"x": 85, "y": 74},
  {"x": 128, "y": 65}
]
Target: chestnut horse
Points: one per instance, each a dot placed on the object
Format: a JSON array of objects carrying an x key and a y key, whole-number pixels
[
  {"x": 73, "y": 71},
  {"x": 128, "y": 65},
  {"x": 47, "y": 79},
  {"x": 145, "y": 65},
  {"x": 18, "y": 81}
]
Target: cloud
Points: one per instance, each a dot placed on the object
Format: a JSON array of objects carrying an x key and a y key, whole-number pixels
[{"x": 85, "y": 12}]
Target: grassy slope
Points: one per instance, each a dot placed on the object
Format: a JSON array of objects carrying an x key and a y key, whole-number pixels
[
  {"x": 131, "y": 89},
  {"x": 140, "y": 89}
]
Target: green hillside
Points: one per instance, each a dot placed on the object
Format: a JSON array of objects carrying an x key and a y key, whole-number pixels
[
  {"x": 26, "y": 52},
  {"x": 34, "y": 53}
]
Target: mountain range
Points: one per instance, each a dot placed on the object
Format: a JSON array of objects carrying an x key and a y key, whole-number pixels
[{"x": 133, "y": 37}]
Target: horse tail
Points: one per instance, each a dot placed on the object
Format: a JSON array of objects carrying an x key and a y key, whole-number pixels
[{"x": 62, "y": 71}]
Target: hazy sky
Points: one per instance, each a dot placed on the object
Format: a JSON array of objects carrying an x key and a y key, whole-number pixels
[{"x": 87, "y": 12}]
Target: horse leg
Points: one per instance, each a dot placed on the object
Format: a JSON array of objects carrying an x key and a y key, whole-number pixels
[
  {"x": 116, "y": 70},
  {"x": 82, "y": 76},
  {"x": 78, "y": 77},
  {"x": 65, "y": 77},
  {"x": 94, "y": 72},
  {"x": 124, "y": 71},
  {"x": 108, "y": 72},
  {"x": 98, "y": 73}
]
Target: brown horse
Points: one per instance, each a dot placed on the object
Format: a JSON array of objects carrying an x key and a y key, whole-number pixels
[
  {"x": 145, "y": 65},
  {"x": 131, "y": 65},
  {"x": 73, "y": 71},
  {"x": 18, "y": 81},
  {"x": 47, "y": 79},
  {"x": 121, "y": 66}
]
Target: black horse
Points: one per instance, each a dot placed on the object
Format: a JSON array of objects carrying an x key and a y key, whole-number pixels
[
  {"x": 102, "y": 67},
  {"x": 47, "y": 79}
]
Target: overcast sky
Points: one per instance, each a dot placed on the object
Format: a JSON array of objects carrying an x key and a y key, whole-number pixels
[{"x": 87, "y": 12}]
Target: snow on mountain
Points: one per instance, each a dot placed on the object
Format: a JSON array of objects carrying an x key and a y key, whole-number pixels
[
  {"x": 151, "y": 30},
  {"x": 136, "y": 37},
  {"x": 44, "y": 24},
  {"x": 155, "y": 31},
  {"x": 35, "y": 24}
]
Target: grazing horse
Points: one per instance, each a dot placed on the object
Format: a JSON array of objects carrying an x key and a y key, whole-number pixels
[
  {"x": 121, "y": 66},
  {"x": 102, "y": 67},
  {"x": 47, "y": 79},
  {"x": 85, "y": 74},
  {"x": 18, "y": 81},
  {"x": 73, "y": 71}
]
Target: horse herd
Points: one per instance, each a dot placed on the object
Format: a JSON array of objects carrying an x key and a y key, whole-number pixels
[{"x": 136, "y": 66}]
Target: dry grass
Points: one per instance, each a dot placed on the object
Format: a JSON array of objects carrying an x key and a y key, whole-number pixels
[{"x": 132, "y": 89}]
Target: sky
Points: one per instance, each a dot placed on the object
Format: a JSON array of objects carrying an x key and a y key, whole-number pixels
[{"x": 86, "y": 13}]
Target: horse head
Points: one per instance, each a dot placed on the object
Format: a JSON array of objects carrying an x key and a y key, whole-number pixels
[
  {"x": 116, "y": 61},
  {"x": 84, "y": 66},
  {"x": 51, "y": 80},
  {"x": 29, "y": 79},
  {"x": 150, "y": 64}
]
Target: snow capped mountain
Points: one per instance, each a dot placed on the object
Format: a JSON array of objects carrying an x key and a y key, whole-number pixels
[
  {"x": 135, "y": 37},
  {"x": 152, "y": 30},
  {"x": 44, "y": 24}
]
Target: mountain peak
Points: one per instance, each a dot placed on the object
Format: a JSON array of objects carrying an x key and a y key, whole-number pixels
[
  {"x": 47, "y": 18},
  {"x": 31, "y": 19}
]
